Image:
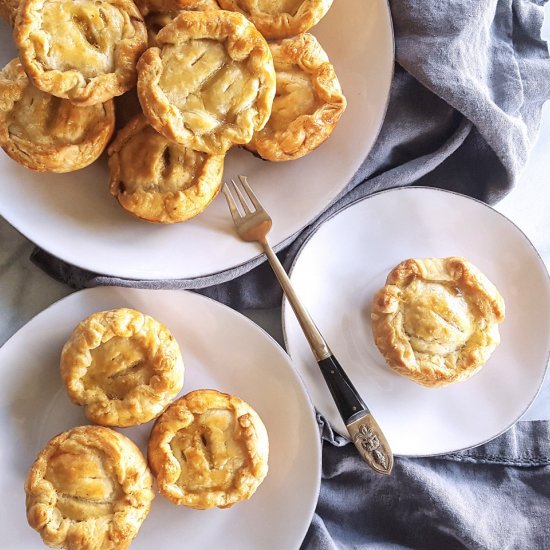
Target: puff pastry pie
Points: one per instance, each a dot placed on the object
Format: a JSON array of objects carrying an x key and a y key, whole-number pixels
[
  {"x": 280, "y": 18},
  {"x": 308, "y": 103},
  {"x": 90, "y": 488},
  {"x": 159, "y": 180},
  {"x": 210, "y": 83},
  {"x": 122, "y": 366},
  {"x": 82, "y": 50},
  {"x": 436, "y": 320},
  {"x": 49, "y": 134},
  {"x": 208, "y": 449}
]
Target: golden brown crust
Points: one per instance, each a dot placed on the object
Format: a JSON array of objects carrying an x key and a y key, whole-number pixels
[
  {"x": 158, "y": 180},
  {"x": 436, "y": 320},
  {"x": 210, "y": 83},
  {"x": 308, "y": 103},
  {"x": 45, "y": 133},
  {"x": 280, "y": 18},
  {"x": 122, "y": 366},
  {"x": 85, "y": 51},
  {"x": 147, "y": 7},
  {"x": 90, "y": 488},
  {"x": 208, "y": 449},
  {"x": 9, "y": 9}
]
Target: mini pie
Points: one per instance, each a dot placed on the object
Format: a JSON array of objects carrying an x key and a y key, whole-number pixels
[
  {"x": 82, "y": 50},
  {"x": 208, "y": 449},
  {"x": 122, "y": 366},
  {"x": 436, "y": 320},
  {"x": 210, "y": 83},
  {"x": 280, "y": 18},
  {"x": 308, "y": 103},
  {"x": 159, "y": 180},
  {"x": 46, "y": 133},
  {"x": 9, "y": 9},
  {"x": 90, "y": 488}
]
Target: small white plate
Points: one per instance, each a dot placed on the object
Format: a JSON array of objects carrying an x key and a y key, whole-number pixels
[
  {"x": 346, "y": 261},
  {"x": 221, "y": 350},
  {"x": 74, "y": 217}
]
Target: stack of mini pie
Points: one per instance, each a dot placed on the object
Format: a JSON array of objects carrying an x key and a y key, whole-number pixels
[
  {"x": 91, "y": 486},
  {"x": 210, "y": 75}
]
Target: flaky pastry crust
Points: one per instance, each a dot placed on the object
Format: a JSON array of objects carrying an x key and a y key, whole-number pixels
[
  {"x": 46, "y": 133},
  {"x": 210, "y": 83},
  {"x": 208, "y": 449},
  {"x": 436, "y": 320},
  {"x": 158, "y": 180},
  {"x": 147, "y": 7},
  {"x": 308, "y": 104},
  {"x": 82, "y": 50},
  {"x": 89, "y": 489},
  {"x": 280, "y": 18},
  {"x": 122, "y": 366}
]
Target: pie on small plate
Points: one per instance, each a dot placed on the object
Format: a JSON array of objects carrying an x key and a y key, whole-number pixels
[
  {"x": 90, "y": 487},
  {"x": 222, "y": 350},
  {"x": 366, "y": 241}
]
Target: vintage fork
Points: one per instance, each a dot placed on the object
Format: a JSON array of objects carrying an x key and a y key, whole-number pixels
[{"x": 253, "y": 225}]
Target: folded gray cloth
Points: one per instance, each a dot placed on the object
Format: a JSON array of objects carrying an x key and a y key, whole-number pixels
[
  {"x": 470, "y": 80},
  {"x": 493, "y": 497}
]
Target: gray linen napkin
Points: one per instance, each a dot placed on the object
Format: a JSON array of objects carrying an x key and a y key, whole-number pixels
[
  {"x": 493, "y": 497},
  {"x": 470, "y": 80}
]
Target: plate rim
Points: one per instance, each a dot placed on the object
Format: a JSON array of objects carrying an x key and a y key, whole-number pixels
[
  {"x": 312, "y": 419},
  {"x": 286, "y": 308},
  {"x": 223, "y": 275}
]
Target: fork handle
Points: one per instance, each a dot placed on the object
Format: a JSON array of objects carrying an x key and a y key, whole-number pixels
[
  {"x": 345, "y": 395},
  {"x": 363, "y": 429},
  {"x": 342, "y": 390}
]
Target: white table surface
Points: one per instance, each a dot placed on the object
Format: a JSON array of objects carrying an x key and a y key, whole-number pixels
[{"x": 25, "y": 290}]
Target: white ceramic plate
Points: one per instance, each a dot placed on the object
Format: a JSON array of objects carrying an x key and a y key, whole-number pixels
[
  {"x": 62, "y": 212},
  {"x": 222, "y": 350},
  {"x": 346, "y": 261}
]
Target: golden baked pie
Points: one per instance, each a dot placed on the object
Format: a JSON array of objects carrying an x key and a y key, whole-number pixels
[
  {"x": 82, "y": 50},
  {"x": 208, "y": 449},
  {"x": 46, "y": 133},
  {"x": 308, "y": 103},
  {"x": 122, "y": 366},
  {"x": 436, "y": 320},
  {"x": 159, "y": 180},
  {"x": 147, "y": 7},
  {"x": 90, "y": 488},
  {"x": 280, "y": 18},
  {"x": 9, "y": 9},
  {"x": 210, "y": 83}
]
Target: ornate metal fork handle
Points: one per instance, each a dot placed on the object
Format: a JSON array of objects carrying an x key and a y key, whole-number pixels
[{"x": 253, "y": 225}]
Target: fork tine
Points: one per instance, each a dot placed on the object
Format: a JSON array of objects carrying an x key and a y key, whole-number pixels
[
  {"x": 231, "y": 203},
  {"x": 253, "y": 199},
  {"x": 244, "y": 204}
]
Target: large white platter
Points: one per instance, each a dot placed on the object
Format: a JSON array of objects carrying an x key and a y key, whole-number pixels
[
  {"x": 346, "y": 261},
  {"x": 222, "y": 350},
  {"x": 74, "y": 217}
]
